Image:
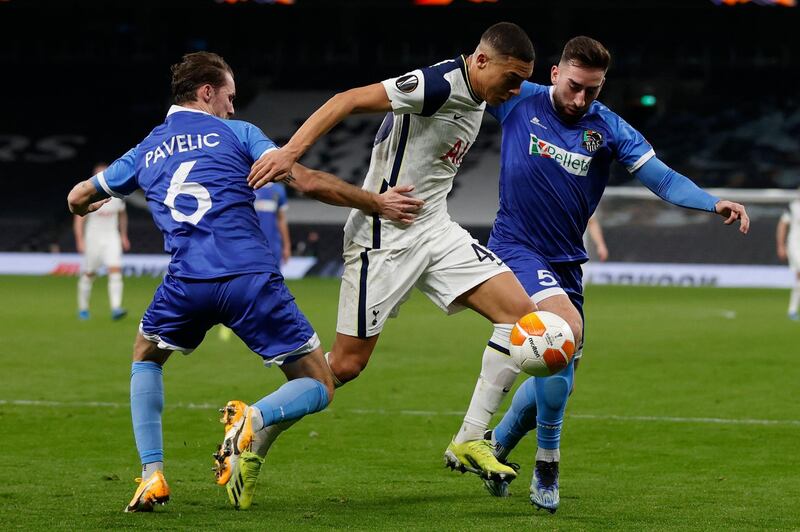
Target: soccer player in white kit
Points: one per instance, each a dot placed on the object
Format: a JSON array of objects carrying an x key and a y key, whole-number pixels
[
  {"x": 788, "y": 243},
  {"x": 101, "y": 237},
  {"x": 433, "y": 117}
]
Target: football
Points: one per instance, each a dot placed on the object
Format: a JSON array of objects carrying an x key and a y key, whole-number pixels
[{"x": 542, "y": 343}]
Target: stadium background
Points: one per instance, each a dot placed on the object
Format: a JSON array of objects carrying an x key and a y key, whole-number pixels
[
  {"x": 88, "y": 81},
  {"x": 685, "y": 414}
]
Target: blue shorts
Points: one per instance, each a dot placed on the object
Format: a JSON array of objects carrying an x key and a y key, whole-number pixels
[
  {"x": 258, "y": 307},
  {"x": 541, "y": 278}
]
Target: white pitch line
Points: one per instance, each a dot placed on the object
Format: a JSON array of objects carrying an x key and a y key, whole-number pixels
[{"x": 430, "y": 413}]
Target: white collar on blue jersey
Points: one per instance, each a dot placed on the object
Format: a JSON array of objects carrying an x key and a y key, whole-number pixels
[
  {"x": 551, "y": 91},
  {"x": 179, "y": 108}
]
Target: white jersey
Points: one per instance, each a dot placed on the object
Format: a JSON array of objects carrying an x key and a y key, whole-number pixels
[
  {"x": 103, "y": 224},
  {"x": 436, "y": 117},
  {"x": 792, "y": 217}
]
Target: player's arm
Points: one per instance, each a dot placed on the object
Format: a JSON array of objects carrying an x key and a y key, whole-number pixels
[
  {"x": 596, "y": 234},
  {"x": 394, "y": 204},
  {"x": 119, "y": 179},
  {"x": 283, "y": 227},
  {"x": 77, "y": 228},
  {"x": 123, "y": 230},
  {"x": 780, "y": 237},
  {"x": 85, "y": 198},
  {"x": 276, "y": 164},
  {"x": 679, "y": 190}
]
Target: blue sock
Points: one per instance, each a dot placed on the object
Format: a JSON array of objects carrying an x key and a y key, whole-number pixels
[
  {"x": 293, "y": 400},
  {"x": 147, "y": 402},
  {"x": 551, "y": 397},
  {"x": 520, "y": 418}
]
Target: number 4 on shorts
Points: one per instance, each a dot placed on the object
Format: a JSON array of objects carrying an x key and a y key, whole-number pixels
[{"x": 483, "y": 254}]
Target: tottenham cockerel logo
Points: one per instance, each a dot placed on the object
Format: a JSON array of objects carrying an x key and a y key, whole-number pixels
[{"x": 591, "y": 140}]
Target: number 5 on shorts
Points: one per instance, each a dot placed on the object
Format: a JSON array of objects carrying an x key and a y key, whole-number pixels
[{"x": 546, "y": 278}]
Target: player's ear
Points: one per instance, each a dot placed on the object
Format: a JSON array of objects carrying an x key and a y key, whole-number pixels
[
  {"x": 554, "y": 74},
  {"x": 206, "y": 92}
]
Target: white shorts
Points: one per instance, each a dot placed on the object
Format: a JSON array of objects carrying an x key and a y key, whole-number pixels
[
  {"x": 106, "y": 253},
  {"x": 376, "y": 282}
]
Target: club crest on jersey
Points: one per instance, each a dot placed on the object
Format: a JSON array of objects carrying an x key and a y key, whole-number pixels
[
  {"x": 574, "y": 163},
  {"x": 591, "y": 140},
  {"x": 407, "y": 83}
]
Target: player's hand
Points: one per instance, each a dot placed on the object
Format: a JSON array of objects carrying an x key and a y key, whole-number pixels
[
  {"x": 733, "y": 211},
  {"x": 397, "y": 206},
  {"x": 272, "y": 166},
  {"x": 126, "y": 244},
  {"x": 286, "y": 254},
  {"x": 602, "y": 252},
  {"x": 782, "y": 253},
  {"x": 80, "y": 247},
  {"x": 81, "y": 210}
]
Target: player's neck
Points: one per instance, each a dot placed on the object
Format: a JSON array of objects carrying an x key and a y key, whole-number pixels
[{"x": 198, "y": 106}]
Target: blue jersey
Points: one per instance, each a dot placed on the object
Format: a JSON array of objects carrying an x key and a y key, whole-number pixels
[
  {"x": 193, "y": 170},
  {"x": 271, "y": 199},
  {"x": 553, "y": 173}
]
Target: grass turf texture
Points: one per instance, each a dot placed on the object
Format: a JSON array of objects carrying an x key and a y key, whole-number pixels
[{"x": 635, "y": 455}]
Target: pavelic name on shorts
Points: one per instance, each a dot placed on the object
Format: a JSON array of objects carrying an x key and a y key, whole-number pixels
[{"x": 574, "y": 163}]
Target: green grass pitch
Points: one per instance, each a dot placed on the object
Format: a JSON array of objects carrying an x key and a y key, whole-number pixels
[{"x": 686, "y": 416}]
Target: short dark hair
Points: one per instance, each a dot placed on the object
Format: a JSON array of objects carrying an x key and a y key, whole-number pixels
[
  {"x": 509, "y": 39},
  {"x": 194, "y": 71},
  {"x": 587, "y": 52}
]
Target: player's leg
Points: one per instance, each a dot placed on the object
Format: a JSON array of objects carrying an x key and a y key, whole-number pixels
[
  {"x": 113, "y": 260},
  {"x": 92, "y": 260},
  {"x": 85, "y": 282},
  {"x": 522, "y": 415},
  {"x": 540, "y": 402},
  {"x": 464, "y": 274},
  {"x": 147, "y": 404},
  {"x": 375, "y": 283},
  {"x": 794, "y": 297},
  {"x": 115, "y": 292},
  {"x": 262, "y": 312},
  {"x": 174, "y": 321},
  {"x": 501, "y": 300}
]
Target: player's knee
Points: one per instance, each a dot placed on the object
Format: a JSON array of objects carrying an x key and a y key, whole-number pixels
[
  {"x": 146, "y": 351},
  {"x": 576, "y": 324},
  {"x": 346, "y": 368}
]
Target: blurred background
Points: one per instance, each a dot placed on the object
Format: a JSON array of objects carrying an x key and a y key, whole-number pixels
[{"x": 710, "y": 84}]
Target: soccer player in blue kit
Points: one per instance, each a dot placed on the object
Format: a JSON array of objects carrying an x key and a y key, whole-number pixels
[
  {"x": 558, "y": 144},
  {"x": 271, "y": 205},
  {"x": 193, "y": 171}
]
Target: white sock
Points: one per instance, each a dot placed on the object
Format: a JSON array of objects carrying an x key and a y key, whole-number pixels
[
  {"x": 115, "y": 289},
  {"x": 498, "y": 373},
  {"x": 794, "y": 298},
  {"x": 266, "y": 437},
  {"x": 152, "y": 467},
  {"x": 548, "y": 455},
  {"x": 84, "y": 291},
  {"x": 336, "y": 382}
]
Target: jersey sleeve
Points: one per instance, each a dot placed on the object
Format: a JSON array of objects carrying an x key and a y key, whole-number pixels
[
  {"x": 500, "y": 112},
  {"x": 630, "y": 147},
  {"x": 423, "y": 91},
  {"x": 254, "y": 141},
  {"x": 786, "y": 217},
  {"x": 119, "y": 179}
]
